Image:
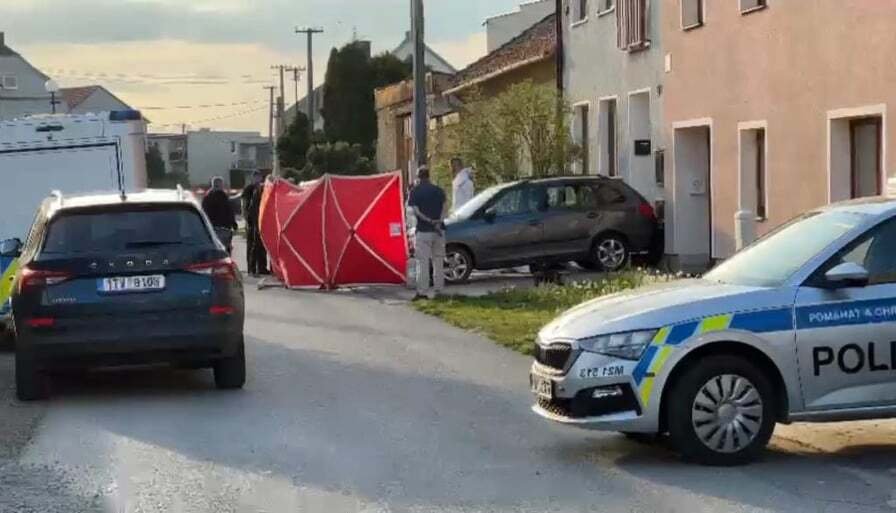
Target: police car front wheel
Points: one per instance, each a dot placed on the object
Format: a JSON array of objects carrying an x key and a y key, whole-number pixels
[{"x": 721, "y": 411}]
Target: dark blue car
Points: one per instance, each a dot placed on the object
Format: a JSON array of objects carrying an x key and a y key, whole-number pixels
[{"x": 107, "y": 280}]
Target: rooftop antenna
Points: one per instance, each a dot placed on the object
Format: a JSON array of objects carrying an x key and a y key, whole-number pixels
[
  {"x": 58, "y": 195},
  {"x": 180, "y": 192}
]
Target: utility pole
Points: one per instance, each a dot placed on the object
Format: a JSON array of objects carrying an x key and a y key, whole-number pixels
[
  {"x": 281, "y": 102},
  {"x": 271, "y": 130},
  {"x": 420, "y": 108},
  {"x": 310, "y": 68},
  {"x": 295, "y": 77}
]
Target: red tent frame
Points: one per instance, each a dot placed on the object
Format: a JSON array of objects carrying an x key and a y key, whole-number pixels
[{"x": 336, "y": 231}]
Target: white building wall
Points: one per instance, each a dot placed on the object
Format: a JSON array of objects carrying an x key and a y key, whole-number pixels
[
  {"x": 30, "y": 97},
  {"x": 502, "y": 28},
  {"x": 595, "y": 69},
  {"x": 211, "y": 154}
]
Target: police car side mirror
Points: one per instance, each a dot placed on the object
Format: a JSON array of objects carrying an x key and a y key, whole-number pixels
[
  {"x": 11, "y": 248},
  {"x": 489, "y": 215},
  {"x": 847, "y": 274}
]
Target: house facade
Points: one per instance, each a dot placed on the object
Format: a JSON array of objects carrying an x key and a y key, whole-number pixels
[
  {"x": 231, "y": 155},
  {"x": 173, "y": 149},
  {"x": 613, "y": 78},
  {"x": 22, "y": 86},
  {"x": 772, "y": 109}
]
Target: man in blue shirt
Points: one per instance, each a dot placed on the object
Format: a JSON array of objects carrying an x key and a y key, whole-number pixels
[{"x": 428, "y": 201}]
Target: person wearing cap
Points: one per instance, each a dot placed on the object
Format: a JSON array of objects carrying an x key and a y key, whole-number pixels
[
  {"x": 429, "y": 201},
  {"x": 256, "y": 256}
]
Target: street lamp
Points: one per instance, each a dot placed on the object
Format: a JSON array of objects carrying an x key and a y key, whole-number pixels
[{"x": 52, "y": 88}]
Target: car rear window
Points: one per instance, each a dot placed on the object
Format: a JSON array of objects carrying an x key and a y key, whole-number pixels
[{"x": 124, "y": 230}]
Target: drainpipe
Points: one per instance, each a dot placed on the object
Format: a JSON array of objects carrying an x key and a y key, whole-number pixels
[{"x": 559, "y": 57}]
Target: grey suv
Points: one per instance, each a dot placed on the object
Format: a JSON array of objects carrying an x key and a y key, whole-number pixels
[{"x": 595, "y": 221}]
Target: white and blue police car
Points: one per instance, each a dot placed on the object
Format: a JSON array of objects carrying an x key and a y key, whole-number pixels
[{"x": 798, "y": 327}]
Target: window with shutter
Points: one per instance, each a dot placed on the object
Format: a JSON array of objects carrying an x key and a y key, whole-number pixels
[{"x": 631, "y": 24}]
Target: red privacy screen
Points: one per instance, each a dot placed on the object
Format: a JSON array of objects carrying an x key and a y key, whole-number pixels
[{"x": 338, "y": 230}]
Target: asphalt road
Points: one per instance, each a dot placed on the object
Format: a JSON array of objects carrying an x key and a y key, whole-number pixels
[{"x": 357, "y": 404}]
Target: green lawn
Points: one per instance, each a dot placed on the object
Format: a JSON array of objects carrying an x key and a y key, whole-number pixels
[{"x": 513, "y": 317}]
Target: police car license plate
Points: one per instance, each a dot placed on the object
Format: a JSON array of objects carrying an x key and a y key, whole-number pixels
[
  {"x": 132, "y": 284},
  {"x": 542, "y": 387}
]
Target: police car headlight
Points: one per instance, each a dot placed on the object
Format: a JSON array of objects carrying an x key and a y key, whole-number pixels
[{"x": 628, "y": 346}]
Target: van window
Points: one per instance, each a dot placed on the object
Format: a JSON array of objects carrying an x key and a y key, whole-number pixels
[{"x": 124, "y": 230}]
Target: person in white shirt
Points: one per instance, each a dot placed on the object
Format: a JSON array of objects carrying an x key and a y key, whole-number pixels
[{"x": 462, "y": 189}]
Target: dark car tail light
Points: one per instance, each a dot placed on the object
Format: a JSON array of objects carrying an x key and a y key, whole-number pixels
[
  {"x": 221, "y": 310},
  {"x": 36, "y": 279},
  {"x": 40, "y": 322},
  {"x": 224, "y": 269},
  {"x": 646, "y": 210}
]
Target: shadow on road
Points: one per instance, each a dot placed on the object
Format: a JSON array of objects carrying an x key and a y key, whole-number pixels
[{"x": 402, "y": 437}]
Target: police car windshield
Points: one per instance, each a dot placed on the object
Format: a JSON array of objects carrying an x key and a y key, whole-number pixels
[{"x": 777, "y": 256}]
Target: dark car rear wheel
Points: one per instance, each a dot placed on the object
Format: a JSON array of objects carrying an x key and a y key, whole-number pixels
[
  {"x": 30, "y": 383},
  {"x": 610, "y": 253},
  {"x": 458, "y": 264},
  {"x": 230, "y": 372}
]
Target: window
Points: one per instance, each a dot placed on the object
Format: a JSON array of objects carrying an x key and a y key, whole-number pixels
[
  {"x": 581, "y": 10},
  {"x": 515, "y": 201},
  {"x": 774, "y": 258},
  {"x": 606, "y": 6},
  {"x": 875, "y": 251},
  {"x": 607, "y": 137},
  {"x": 124, "y": 230},
  {"x": 9, "y": 82},
  {"x": 583, "y": 113},
  {"x": 760, "y": 174},
  {"x": 691, "y": 13},
  {"x": 571, "y": 197},
  {"x": 659, "y": 168},
  {"x": 232, "y": 147},
  {"x": 748, "y": 6},
  {"x": 631, "y": 25},
  {"x": 609, "y": 195}
]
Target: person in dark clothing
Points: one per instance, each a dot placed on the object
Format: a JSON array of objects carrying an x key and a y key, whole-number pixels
[
  {"x": 216, "y": 205},
  {"x": 256, "y": 256},
  {"x": 428, "y": 201}
]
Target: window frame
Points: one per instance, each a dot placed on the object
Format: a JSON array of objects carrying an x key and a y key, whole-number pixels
[
  {"x": 762, "y": 4},
  {"x": 701, "y": 11},
  {"x": 580, "y": 13},
  {"x": 4, "y": 78},
  {"x": 607, "y": 10},
  {"x": 582, "y": 130}
]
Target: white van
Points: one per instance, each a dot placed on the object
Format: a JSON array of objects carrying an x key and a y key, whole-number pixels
[{"x": 65, "y": 153}]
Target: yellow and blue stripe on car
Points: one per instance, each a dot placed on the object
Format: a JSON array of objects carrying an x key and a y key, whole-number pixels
[
  {"x": 667, "y": 338},
  {"x": 8, "y": 269}
]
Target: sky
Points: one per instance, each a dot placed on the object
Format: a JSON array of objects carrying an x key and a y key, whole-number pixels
[{"x": 170, "y": 57}]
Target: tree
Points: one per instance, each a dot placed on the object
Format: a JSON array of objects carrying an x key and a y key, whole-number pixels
[
  {"x": 155, "y": 167},
  {"x": 293, "y": 145},
  {"x": 522, "y": 131},
  {"x": 352, "y": 76},
  {"x": 338, "y": 158}
]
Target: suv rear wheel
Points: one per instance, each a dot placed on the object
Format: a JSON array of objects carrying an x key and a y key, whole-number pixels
[
  {"x": 721, "y": 411},
  {"x": 230, "y": 372},
  {"x": 30, "y": 383},
  {"x": 610, "y": 253}
]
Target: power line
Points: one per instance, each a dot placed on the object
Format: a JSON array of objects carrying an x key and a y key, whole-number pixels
[
  {"x": 217, "y": 118},
  {"x": 204, "y": 106}
]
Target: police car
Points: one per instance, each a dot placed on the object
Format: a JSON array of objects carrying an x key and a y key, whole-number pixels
[{"x": 798, "y": 327}]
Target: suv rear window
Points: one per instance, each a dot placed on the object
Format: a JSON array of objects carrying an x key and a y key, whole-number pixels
[{"x": 124, "y": 230}]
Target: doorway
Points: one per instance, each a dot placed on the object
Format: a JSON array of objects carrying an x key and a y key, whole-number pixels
[
  {"x": 865, "y": 157},
  {"x": 693, "y": 190}
]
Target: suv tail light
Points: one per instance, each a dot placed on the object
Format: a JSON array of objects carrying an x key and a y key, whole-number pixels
[
  {"x": 646, "y": 210},
  {"x": 224, "y": 269},
  {"x": 36, "y": 279}
]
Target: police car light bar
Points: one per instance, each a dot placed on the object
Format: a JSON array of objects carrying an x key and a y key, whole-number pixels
[{"x": 125, "y": 115}]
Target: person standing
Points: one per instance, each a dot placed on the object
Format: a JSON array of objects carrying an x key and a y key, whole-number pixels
[
  {"x": 428, "y": 201},
  {"x": 216, "y": 205},
  {"x": 256, "y": 256},
  {"x": 462, "y": 188}
]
